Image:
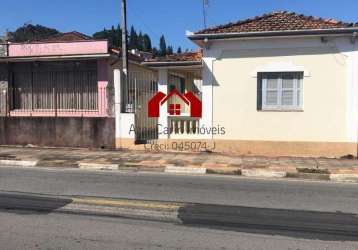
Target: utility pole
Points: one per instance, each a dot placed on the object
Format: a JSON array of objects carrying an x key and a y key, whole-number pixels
[
  {"x": 124, "y": 41},
  {"x": 120, "y": 79},
  {"x": 205, "y": 5}
]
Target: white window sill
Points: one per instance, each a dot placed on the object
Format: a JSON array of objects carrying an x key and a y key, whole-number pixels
[{"x": 267, "y": 109}]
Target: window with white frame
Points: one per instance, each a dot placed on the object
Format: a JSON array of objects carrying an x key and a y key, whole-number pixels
[{"x": 280, "y": 90}]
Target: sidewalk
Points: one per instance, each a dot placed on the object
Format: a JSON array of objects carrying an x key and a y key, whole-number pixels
[{"x": 209, "y": 163}]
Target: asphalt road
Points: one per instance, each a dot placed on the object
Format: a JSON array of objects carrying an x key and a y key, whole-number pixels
[
  {"x": 60, "y": 231},
  {"x": 270, "y": 214},
  {"x": 221, "y": 190}
]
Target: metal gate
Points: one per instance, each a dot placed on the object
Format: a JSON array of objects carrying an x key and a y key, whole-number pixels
[
  {"x": 145, "y": 86},
  {"x": 3, "y": 102}
]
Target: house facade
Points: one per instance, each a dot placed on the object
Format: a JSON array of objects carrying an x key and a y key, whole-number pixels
[
  {"x": 281, "y": 84},
  {"x": 289, "y": 83},
  {"x": 58, "y": 92},
  {"x": 277, "y": 84}
]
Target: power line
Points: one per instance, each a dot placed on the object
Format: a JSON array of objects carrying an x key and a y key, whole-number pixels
[{"x": 142, "y": 21}]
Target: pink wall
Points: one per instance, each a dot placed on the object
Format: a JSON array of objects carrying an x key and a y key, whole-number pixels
[
  {"x": 102, "y": 109},
  {"x": 59, "y": 48},
  {"x": 102, "y": 77}
]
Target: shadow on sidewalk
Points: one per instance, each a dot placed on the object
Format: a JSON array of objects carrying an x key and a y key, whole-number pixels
[{"x": 326, "y": 226}]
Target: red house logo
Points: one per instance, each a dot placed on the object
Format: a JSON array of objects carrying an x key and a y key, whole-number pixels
[{"x": 174, "y": 109}]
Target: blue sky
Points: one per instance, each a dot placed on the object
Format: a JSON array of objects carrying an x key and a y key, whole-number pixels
[{"x": 156, "y": 17}]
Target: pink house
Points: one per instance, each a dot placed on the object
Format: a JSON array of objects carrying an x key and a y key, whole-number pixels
[
  {"x": 60, "y": 92},
  {"x": 55, "y": 92},
  {"x": 65, "y": 76}
]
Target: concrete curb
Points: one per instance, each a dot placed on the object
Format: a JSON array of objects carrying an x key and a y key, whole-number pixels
[
  {"x": 19, "y": 163},
  {"x": 224, "y": 171},
  {"x": 344, "y": 177},
  {"x": 97, "y": 166},
  {"x": 309, "y": 176},
  {"x": 263, "y": 173},
  {"x": 185, "y": 170},
  {"x": 197, "y": 170}
]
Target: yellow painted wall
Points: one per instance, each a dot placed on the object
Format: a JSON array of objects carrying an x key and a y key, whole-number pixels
[{"x": 323, "y": 118}]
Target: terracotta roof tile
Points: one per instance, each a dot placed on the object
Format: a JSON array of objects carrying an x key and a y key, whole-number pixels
[
  {"x": 182, "y": 57},
  {"x": 67, "y": 37},
  {"x": 277, "y": 21},
  {"x": 118, "y": 51}
]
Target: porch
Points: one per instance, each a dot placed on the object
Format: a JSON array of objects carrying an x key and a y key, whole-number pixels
[
  {"x": 181, "y": 125},
  {"x": 175, "y": 120}
]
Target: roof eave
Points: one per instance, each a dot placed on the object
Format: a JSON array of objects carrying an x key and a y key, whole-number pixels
[
  {"x": 173, "y": 63},
  {"x": 52, "y": 57},
  {"x": 215, "y": 36},
  {"x": 59, "y": 41}
]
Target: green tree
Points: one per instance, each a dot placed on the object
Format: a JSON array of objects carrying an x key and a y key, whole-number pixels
[
  {"x": 162, "y": 46},
  {"x": 119, "y": 36},
  {"x": 170, "y": 50},
  {"x": 101, "y": 34},
  {"x": 155, "y": 51},
  {"x": 179, "y": 51},
  {"x": 29, "y": 32},
  {"x": 113, "y": 37},
  {"x": 147, "y": 43},
  {"x": 140, "y": 43},
  {"x": 133, "y": 39}
]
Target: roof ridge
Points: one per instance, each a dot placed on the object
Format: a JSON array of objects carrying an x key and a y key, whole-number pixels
[
  {"x": 317, "y": 18},
  {"x": 298, "y": 21},
  {"x": 177, "y": 57},
  {"x": 239, "y": 21},
  {"x": 77, "y": 33}
]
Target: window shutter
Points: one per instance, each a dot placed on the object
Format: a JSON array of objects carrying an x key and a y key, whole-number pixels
[
  {"x": 259, "y": 92},
  {"x": 281, "y": 91},
  {"x": 288, "y": 90}
]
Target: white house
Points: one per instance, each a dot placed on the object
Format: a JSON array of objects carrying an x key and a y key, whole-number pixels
[{"x": 277, "y": 84}]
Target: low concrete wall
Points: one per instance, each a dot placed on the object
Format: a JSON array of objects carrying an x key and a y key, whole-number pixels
[{"x": 60, "y": 132}]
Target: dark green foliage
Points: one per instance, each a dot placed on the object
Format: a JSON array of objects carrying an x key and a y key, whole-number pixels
[
  {"x": 133, "y": 39},
  {"x": 29, "y": 32},
  {"x": 114, "y": 36},
  {"x": 155, "y": 51},
  {"x": 147, "y": 43},
  {"x": 170, "y": 50},
  {"x": 140, "y": 41},
  {"x": 179, "y": 51},
  {"x": 162, "y": 46}
]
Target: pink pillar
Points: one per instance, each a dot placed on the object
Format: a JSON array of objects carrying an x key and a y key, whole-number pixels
[{"x": 102, "y": 76}]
